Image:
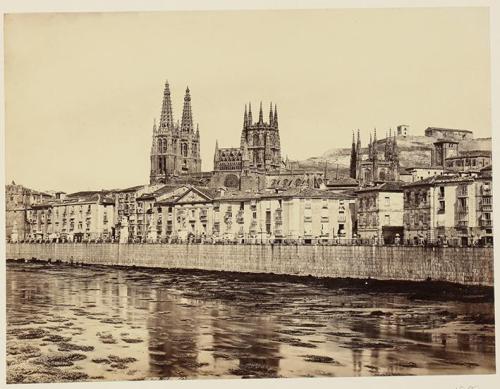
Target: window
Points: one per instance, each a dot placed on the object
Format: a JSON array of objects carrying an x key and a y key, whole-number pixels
[
  {"x": 387, "y": 201},
  {"x": 441, "y": 206},
  {"x": 268, "y": 222},
  {"x": 441, "y": 192},
  {"x": 184, "y": 149},
  {"x": 387, "y": 220}
]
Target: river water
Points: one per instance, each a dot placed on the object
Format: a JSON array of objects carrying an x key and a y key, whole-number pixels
[{"x": 93, "y": 324}]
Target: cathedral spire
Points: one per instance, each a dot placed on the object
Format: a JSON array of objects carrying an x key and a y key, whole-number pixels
[
  {"x": 250, "y": 119},
  {"x": 245, "y": 118},
  {"x": 353, "y": 158},
  {"x": 155, "y": 129},
  {"x": 275, "y": 121},
  {"x": 216, "y": 154},
  {"x": 271, "y": 116},
  {"x": 187, "y": 116},
  {"x": 261, "y": 115},
  {"x": 370, "y": 148},
  {"x": 166, "y": 117},
  {"x": 395, "y": 150}
]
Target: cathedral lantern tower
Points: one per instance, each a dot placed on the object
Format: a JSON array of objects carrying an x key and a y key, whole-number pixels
[{"x": 261, "y": 141}]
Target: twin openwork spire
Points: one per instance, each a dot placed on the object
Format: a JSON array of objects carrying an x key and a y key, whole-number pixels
[
  {"x": 175, "y": 149},
  {"x": 167, "y": 118}
]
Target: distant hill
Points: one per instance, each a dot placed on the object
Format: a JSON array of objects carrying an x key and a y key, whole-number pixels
[{"x": 414, "y": 151}]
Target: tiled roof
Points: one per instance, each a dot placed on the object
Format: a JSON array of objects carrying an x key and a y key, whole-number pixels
[
  {"x": 159, "y": 192},
  {"x": 439, "y": 179},
  {"x": 346, "y": 181},
  {"x": 289, "y": 193},
  {"x": 390, "y": 186},
  {"x": 449, "y": 129},
  {"x": 131, "y": 189}
]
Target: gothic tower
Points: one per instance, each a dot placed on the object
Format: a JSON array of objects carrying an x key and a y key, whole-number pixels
[
  {"x": 260, "y": 141},
  {"x": 175, "y": 148}
]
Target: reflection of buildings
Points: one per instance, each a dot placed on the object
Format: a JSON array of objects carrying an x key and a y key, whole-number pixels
[
  {"x": 173, "y": 331},
  {"x": 251, "y": 342}
]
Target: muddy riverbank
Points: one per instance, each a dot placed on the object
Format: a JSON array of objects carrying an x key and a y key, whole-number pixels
[{"x": 81, "y": 323}]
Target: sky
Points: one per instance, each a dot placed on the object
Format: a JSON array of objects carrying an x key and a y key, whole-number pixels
[{"x": 82, "y": 90}]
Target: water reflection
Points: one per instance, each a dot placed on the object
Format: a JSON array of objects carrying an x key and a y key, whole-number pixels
[{"x": 108, "y": 324}]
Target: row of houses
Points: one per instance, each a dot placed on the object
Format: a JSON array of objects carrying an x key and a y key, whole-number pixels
[
  {"x": 449, "y": 208},
  {"x": 188, "y": 212}
]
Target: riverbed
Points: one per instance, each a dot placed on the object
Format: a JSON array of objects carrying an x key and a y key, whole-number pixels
[{"x": 73, "y": 323}]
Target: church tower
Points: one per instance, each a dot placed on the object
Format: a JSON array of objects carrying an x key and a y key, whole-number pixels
[
  {"x": 175, "y": 148},
  {"x": 260, "y": 141}
]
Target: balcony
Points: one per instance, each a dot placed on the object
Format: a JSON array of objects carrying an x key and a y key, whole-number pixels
[
  {"x": 486, "y": 223},
  {"x": 325, "y": 219},
  {"x": 307, "y": 219},
  {"x": 486, "y": 207},
  {"x": 341, "y": 218},
  {"x": 462, "y": 224},
  {"x": 464, "y": 209}
]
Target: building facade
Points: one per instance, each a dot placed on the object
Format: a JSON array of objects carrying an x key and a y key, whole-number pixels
[
  {"x": 75, "y": 219},
  {"x": 380, "y": 213},
  {"x": 18, "y": 199},
  {"x": 175, "y": 148},
  {"x": 449, "y": 208},
  {"x": 468, "y": 162},
  {"x": 203, "y": 214}
]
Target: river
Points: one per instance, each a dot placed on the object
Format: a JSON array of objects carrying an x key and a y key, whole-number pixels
[{"x": 71, "y": 323}]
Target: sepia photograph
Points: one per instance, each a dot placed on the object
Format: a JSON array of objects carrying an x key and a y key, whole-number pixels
[{"x": 248, "y": 193}]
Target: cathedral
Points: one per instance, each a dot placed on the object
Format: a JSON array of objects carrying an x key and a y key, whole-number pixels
[
  {"x": 175, "y": 150},
  {"x": 374, "y": 169},
  {"x": 253, "y": 166}
]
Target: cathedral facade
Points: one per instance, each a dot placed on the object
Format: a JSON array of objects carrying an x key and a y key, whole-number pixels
[
  {"x": 376, "y": 168},
  {"x": 175, "y": 149}
]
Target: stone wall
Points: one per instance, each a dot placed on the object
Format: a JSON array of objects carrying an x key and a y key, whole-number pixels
[{"x": 471, "y": 266}]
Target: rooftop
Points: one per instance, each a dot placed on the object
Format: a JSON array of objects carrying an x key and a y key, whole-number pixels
[
  {"x": 449, "y": 129},
  {"x": 440, "y": 179}
]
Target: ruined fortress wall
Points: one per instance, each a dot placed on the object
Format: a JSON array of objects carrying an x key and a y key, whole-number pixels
[{"x": 471, "y": 266}]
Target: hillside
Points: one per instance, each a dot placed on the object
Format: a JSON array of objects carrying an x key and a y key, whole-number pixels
[{"x": 415, "y": 151}]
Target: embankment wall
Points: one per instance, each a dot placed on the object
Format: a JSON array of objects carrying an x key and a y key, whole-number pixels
[{"x": 469, "y": 266}]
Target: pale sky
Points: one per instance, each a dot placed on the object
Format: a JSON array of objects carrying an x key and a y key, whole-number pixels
[{"x": 82, "y": 90}]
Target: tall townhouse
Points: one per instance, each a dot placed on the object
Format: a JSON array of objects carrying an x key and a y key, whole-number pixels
[
  {"x": 81, "y": 217},
  {"x": 380, "y": 212}
]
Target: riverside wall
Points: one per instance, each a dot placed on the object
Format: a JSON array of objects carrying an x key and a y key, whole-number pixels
[{"x": 469, "y": 266}]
